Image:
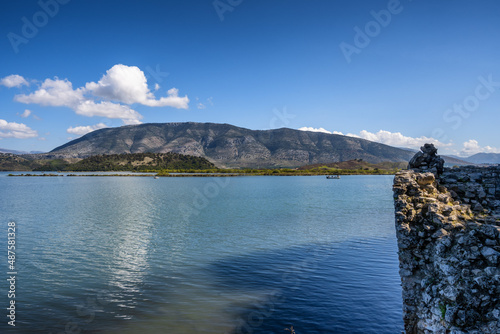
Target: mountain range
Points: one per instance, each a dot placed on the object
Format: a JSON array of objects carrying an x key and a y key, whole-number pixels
[
  {"x": 4, "y": 150},
  {"x": 230, "y": 146},
  {"x": 484, "y": 158}
]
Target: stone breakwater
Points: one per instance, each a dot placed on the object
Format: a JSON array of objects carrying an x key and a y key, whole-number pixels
[{"x": 448, "y": 231}]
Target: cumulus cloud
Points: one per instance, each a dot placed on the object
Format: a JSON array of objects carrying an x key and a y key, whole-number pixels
[
  {"x": 472, "y": 147},
  {"x": 171, "y": 100},
  {"x": 82, "y": 130},
  {"x": 109, "y": 97},
  {"x": 26, "y": 113},
  {"x": 14, "y": 80},
  {"x": 55, "y": 92},
  {"x": 60, "y": 93},
  {"x": 109, "y": 110},
  {"x": 128, "y": 84},
  {"x": 15, "y": 130},
  {"x": 311, "y": 129},
  {"x": 122, "y": 83},
  {"x": 396, "y": 139}
]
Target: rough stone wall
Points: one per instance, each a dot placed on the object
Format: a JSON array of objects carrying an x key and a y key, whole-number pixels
[{"x": 448, "y": 231}]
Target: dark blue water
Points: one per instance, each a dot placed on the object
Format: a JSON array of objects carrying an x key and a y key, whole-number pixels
[{"x": 202, "y": 255}]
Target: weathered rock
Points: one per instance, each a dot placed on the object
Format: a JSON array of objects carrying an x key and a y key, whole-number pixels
[
  {"x": 491, "y": 255},
  {"x": 427, "y": 159},
  {"x": 426, "y": 179},
  {"x": 448, "y": 230},
  {"x": 478, "y": 207}
]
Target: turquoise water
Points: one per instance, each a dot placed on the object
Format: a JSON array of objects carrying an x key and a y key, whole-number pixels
[{"x": 202, "y": 255}]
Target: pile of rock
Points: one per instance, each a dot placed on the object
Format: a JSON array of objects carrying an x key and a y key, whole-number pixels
[
  {"x": 448, "y": 230},
  {"x": 427, "y": 160}
]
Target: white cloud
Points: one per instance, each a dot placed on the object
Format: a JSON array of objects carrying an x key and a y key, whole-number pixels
[
  {"x": 82, "y": 130},
  {"x": 209, "y": 102},
  {"x": 108, "y": 110},
  {"x": 397, "y": 139},
  {"x": 131, "y": 121},
  {"x": 60, "y": 93},
  {"x": 309, "y": 128},
  {"x": 472, "y": 147},
  {"x": 55, "y": 92},
  {"x": 26, "y": 113},
  {"x": 172, "y": 100},
  {"x": 15, "y": 130},
  {"x": 14, "y": 80},
  {"x": 128, "y": 84},
  {"x": 121, "y": 83},
  {"x": 385, "y": 137}
]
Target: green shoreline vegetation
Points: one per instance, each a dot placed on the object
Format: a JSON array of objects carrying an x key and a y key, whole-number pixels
[
  {"x": 235, "y": 172},
  {"x": 178, "y": 165}
]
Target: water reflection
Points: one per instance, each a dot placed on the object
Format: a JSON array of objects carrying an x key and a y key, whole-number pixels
[
  {"x": 117, "y": 255},
  {"x": 317, "y": 288}
]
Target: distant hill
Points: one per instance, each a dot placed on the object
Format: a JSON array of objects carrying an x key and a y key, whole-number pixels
[
  {"x": 13, "y": 162},
  {"x": 231, "y": 146},
  {"x": 480, "y": 158},
  {"x": 131, "y": 162},
  {"x": 484, "y": 158},
  {"x": 116, "y": 162},
  {"x": 450, "y": 161},
  {"x": 4, "y": 150}
]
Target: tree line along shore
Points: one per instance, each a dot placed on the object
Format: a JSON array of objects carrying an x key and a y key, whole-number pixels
[{"x": 174, "y": 165}]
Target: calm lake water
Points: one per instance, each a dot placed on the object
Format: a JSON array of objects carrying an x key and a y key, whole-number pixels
[{"x": 202, "y": 255}]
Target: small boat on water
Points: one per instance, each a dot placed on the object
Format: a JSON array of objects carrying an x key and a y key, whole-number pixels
[
  {"x": 333, "y": 177},
  {"x": 157, "y": 177}
]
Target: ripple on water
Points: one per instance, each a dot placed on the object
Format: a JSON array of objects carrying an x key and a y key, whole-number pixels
[{"x": 136, "y": 255}]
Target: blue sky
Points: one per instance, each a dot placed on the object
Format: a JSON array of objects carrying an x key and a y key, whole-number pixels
[{"x": 397, "y": 72}]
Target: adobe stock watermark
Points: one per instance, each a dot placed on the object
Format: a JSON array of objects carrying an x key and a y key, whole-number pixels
[
  {"x": 156, "y": 73},
  {"x": 223, "y": 6},
  {"x": 11, "y": 273},
  {"x": 30, "y": 27},
  {"x": 202, "y": 197},
  {"x": 86, "y": 312},
  {"x": 292, "y": 279},
  {"x": 471, "y": 103},
  {"x": 363, "y": 37},
  {"x": 281, "y": 118}
]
